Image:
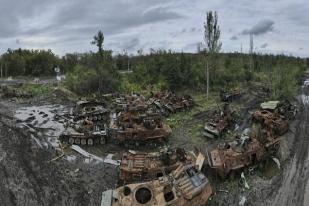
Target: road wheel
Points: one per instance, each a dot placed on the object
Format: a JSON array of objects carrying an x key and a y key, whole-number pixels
[
  {"x": 71, "y": 140},
  {"x": 77, "y": 141},
  {"x": 102, "y": 140},
  {"x": 95, "y": 118},
  {"x": 99, "y": 117},
  {"x": 90, "y": 142},
  {"x": 83, "y": 141}
]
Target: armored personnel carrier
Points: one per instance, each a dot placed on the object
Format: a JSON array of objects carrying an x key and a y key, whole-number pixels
[
  {"x": 184, "y": 186},
  {"x": 91, "y": 110},
  {"x": 139, "y": 166}
]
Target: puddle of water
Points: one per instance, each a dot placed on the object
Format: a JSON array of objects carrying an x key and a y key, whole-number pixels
[{"x": 41, "y": 120}]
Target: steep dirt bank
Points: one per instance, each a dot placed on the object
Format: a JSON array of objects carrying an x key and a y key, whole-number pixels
[{"x": 27, "y": 177}]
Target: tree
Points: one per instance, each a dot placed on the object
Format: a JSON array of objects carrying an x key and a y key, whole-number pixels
[
  {"x": 98, "y": 41},
  {"x": 212, "y": 41}
]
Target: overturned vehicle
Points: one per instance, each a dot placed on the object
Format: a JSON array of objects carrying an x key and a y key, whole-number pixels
[
  {"x": 139, "y": 166},
  {"x": 184, "y": 186}
]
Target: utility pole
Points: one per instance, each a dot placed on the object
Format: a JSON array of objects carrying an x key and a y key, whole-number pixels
[
  {"x": 251, "y": 52},
  {"x": 207, "y": 74}
]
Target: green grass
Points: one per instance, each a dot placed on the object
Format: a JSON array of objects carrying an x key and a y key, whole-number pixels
[{"x": 37, "y": 89}]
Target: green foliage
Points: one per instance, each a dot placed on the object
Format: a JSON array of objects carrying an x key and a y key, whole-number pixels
[
  {"x": 28, "y": 62},
  {"x": 37, "y": 89}
]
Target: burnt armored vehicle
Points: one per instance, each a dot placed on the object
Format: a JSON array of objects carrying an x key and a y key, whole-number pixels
[
  {"x": 233, "y": 156},
  {"x": 91, "y": 110},
  {"x": 274, "y": 123},
  {"x": 136, "y": 167},
  {"x": 222, "y": 121},
  {"x": 84, "y": 132},
  {"x": 150, "y": 131},
  {"x": 184, "y": 186},
  {"x": 169, "y": 102}
]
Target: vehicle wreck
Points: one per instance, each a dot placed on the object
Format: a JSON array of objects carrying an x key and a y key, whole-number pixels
[
  {"x": 184, "y": 186},
  {"x": 140, "y": 166},
  {"x": 222, "y": 121}
]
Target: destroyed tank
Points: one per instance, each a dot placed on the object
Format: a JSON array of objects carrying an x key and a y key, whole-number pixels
[
  {"x": 274, "y": 123},
  {"x": 184, "y": 186},
  {"x": 139, "y": 166},
  {"x": 230, "y": 157},
  {"x": 84, "y": 133},
  {"x": 91, "y": 110}
]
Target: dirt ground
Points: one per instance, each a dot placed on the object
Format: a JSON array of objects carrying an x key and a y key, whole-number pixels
[{"x": 28, "y": 177}]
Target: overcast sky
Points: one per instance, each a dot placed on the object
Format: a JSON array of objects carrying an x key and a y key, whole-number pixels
[{"x": 278, "y": 26}]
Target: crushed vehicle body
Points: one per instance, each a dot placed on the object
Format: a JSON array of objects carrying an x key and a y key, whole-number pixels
[
  {"x": 230, "y": 96},
  {"x": 141, "y": 166},
  {"x": 184, "y": 186},
  {"x": 232, "y": 156},
  {"x": 91, "y": 110},
  {"x": 274, "y": 123},
  {"x": 217, "y": 126},
  {"x": 84, "y": 132}
]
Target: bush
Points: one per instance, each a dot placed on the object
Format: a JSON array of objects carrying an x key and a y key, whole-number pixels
[{"x": 84, "y": 81}]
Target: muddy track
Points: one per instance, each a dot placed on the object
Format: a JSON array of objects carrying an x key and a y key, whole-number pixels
[{"x": 292, "y": 189}]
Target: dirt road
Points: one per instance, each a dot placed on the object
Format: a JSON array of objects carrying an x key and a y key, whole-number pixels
[{"x": 293, "y": 189}]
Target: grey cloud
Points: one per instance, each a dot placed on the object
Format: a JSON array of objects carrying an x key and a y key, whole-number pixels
[
  {"x": 261, "y": 27},
  {"x": 158, "y": 14},
  {"x": 234, "y": 38},
  {"x": 132, "y": 44},
  {"x": 263, "y": 46}
]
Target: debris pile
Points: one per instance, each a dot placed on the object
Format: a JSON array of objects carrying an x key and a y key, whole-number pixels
[{"x": 220, "y": 123}]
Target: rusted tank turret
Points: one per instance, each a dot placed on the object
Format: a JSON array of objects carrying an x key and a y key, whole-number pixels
[
  {"x": 232, "y": 156},
  {"x": 92, "y": 110},
  {"x": 274, "y": 123},
  {"x": 140, "y": 166},
  {"x": 184, "y": 186}
]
